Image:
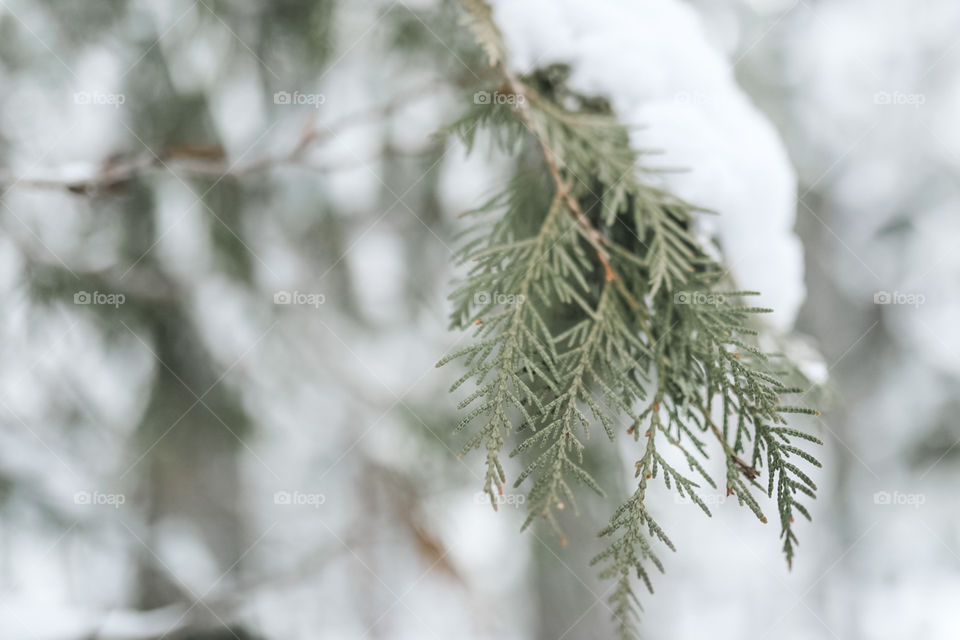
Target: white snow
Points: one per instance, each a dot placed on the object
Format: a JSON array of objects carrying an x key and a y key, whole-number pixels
[{"x": 653, "y": 61}]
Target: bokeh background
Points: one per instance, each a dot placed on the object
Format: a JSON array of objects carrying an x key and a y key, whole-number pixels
[{"x": 225, "y": 242}]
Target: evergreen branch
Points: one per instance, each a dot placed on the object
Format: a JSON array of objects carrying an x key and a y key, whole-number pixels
[
  {"x": 788, "y": 477},
  {"x": 628, "y": 552},
  {"x": 612, "y": 290},
  {"x": 583, "y": 369},
  {"x": 517, "y": 346}
]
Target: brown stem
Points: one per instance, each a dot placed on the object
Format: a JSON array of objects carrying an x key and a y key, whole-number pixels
[
  {"x": 564, "y": 187},
  {"x": 747, "y": 469},
  {"x": 209, "y": 161}
]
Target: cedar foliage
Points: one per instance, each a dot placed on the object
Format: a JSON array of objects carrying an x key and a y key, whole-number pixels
[{"x": 594, "y": 305}]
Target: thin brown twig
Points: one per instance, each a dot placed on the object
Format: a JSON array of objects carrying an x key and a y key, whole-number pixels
[
  {"x": 747, "y": 469},
  {"x": 564, "y": 186},
  {"x": 209, "y": 161}
]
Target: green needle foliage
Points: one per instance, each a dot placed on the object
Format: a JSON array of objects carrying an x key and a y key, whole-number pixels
[{"x": 593, "y": 305}]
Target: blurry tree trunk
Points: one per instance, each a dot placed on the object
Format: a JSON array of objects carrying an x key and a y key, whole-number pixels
[
  {"x": 185, "y": 454},
  {"x": 192, "y": 472},
  {"x": 566, "y": 605}
]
